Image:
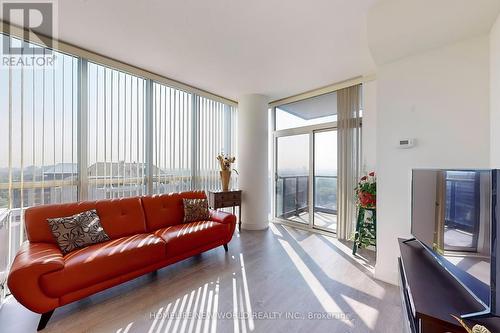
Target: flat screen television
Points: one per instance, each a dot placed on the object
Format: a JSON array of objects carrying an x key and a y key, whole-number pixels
[{"x": 454, "y": 216}]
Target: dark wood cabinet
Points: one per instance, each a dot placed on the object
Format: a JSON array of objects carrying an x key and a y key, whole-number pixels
[
  {"x": 224, "y": 199},
  {"x": 430, "y": 295}
]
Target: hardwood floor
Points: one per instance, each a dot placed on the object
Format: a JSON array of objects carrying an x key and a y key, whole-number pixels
[{"x": 290, "y": 280}]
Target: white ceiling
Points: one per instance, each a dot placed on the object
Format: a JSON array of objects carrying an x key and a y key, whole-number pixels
[
  {"x": 276, "y": 48},
  {"x": 399, "y": 28},
  {"x": 229, "y": 47}
]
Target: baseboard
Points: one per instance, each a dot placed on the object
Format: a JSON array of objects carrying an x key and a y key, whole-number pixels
[
  {"x": 254, "y": 226},
  {"x": 390, "y": 278}
]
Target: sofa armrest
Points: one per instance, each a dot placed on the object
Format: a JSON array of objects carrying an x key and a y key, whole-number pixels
[
  {"x": 222, "y": 217},
  {"x": 32, "y": 261}
]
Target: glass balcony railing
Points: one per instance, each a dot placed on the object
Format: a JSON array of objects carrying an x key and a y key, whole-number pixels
[{"x": 292, "y": 195}]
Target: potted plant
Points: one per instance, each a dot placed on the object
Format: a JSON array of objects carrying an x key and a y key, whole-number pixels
[
  {"x": 366, "y": 191},
  {"x": 366, "y": 200}
]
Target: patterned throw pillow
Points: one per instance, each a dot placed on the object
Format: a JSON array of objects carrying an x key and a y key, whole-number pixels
[
  {"x": 77, "y": 231},
  {"x": 195, "y": 210}
]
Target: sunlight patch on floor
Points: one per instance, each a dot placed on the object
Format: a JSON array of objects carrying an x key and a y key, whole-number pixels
[
  {"x": 275, "y": 230},
  {"x": 198, "y": 310},
  {"x": 366, "y": 313},
  {"x": 198, "y": 307},
  {"x": 248, "y": 303},
  {"x": 126, "y": 328},
  {"x": 367, "y": 263},
  {"x": 312, "y": 282}
]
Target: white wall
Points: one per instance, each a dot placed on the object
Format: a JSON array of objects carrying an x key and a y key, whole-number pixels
[
  {"x": 441, "y": 98},
  {"x": 495, "y": 93},
  {"x": 369, "y": 129}
]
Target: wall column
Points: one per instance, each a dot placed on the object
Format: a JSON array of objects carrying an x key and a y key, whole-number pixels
[
  {"x": 252, "y": 161},
  {"x": 494, "y": 97}
]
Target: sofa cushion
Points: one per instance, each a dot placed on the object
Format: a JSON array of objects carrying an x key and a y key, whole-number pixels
[
  {"x": 119, "y": 217},
  {"x": 167, "y": 209},
  {"x": 122, "y": 217},
  {"x": 77, "y": 231},
  {"x": 195, "y": 210},
  {"x": 35, "y": 218},
  {"x": 186, "y": 237},
  {"x": 100, "y": 262}
]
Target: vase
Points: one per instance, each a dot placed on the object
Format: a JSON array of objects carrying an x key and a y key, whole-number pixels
[{"x": 225, "y": 177}]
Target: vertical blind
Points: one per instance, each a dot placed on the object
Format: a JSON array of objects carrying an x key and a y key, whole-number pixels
[
  {"x": 38, "y": 136},
  {"x": 216, "y": 128},
  {"x": 38, "y": 133},
  {"x": 79, "y": 130},
  {"x": 116, "y": 133},
  {"x": 172, "y": 144},
  {"x": 41, "y": 158},
  {"x": 189, "y": 132}
]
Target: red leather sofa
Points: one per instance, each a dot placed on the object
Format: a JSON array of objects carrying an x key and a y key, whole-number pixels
[{"x": 147, "y": 233}]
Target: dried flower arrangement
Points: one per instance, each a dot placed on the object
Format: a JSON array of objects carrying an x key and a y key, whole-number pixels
[{"x": 225, "y": 162}]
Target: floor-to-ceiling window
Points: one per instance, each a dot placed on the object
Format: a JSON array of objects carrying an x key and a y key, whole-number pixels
[
  {"x": 38, "y": 142},
  {"x": 306, "y": 162},
  {"x": 173, "y": 139},
  {"x": 216, "y": 128},
  {"x": 78, "y": 129},
  {"x": 116, "y": 120}
]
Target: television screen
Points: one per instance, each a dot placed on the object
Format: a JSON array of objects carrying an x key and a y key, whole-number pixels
[{"x": 451, "y": 216}]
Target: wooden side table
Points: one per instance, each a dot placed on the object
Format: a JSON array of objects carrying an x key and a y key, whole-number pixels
[{"x": 223, "y": 199}]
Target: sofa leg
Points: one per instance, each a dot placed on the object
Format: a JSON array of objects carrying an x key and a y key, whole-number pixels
[
  {"x": 225, "y": 247},
  {"x": 44, "y": 320}
]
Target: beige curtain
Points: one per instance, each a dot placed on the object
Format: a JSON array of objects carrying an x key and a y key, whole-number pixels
[{"x": 349, "y": 157}]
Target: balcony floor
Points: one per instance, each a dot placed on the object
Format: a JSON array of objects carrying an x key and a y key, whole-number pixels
[{"x": 322, "y": 220}]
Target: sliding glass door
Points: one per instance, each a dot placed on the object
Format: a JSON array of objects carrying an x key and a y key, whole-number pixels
[
  {"x": 292, "y": 178},
  {"x": 325, "y": 180},
  {"x": 306, "y": 159},
  {"x": 305, "y": 162},
  {"x": 306, "y": 178}
]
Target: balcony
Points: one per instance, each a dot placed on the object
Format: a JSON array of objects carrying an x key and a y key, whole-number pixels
[{"x": 292, "y": 200}]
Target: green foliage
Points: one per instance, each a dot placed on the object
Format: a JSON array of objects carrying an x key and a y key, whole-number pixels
[
  {"x": 367, "y": 187},
  {"x": 366, "y": 232}
]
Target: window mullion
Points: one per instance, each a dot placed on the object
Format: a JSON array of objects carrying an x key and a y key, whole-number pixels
[
  {"x": 194, "y": 140},
  {"x": 82, "y": 128},
  {"x": 149, "y": 136}
]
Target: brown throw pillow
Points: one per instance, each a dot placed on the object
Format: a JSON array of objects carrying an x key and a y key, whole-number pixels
[
  {"x": 195, "y": 210},
  {"x": 77, "y": 231}
]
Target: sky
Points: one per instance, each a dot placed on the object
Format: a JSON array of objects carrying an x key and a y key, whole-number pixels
[{"x": 293, "y": 151}]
